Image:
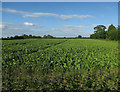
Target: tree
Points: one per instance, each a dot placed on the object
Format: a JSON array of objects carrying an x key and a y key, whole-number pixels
[
  {"x": 25, "y": 36},
  {"x": 118, "y": 33},
  {"x": 112, "y": 33},
  {"x": 38, "y": 36},
  {"x": 49, "y": 36},
  {"x": 79, "y": 36},
  {"x": 11, "y": 37},
  {"x": 100, "y": 32},
  {"x": 16, "y": 37},
  {"x": 99, "y": 28},
  {"x": 30, "y": 36},
  {"x": 44, "y": 36}
]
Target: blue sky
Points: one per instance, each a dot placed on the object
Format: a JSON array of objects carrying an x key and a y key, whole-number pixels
[
  {"x": 60, "y": 1},
  {"x": 59, "y": 19}
]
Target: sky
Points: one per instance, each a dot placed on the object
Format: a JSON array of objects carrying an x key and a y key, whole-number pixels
[
  {"x": 59, "y": 19},
  {"x": 60, "y": 0}
]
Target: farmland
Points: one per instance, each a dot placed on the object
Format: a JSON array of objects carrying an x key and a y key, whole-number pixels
[{"x": 60, "y": 64}]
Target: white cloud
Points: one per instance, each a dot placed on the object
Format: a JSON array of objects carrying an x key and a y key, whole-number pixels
[
  {"x": 54, "y": 28},
  {"x": 39, "y": 14},
  {"x": 13, "y": 11},
  {"x": 2, "y": 26},
  {"x": 45, "y": 14},
  {"x": 69, "y": 31},
  {"x": 69, "y": 28},
  {"x": 33, "y": 25},
  {"x": 12, "y": 29},
  {"x": 28, "y": 24},
  {"x": 24, "y": 26},
  {"x": 64, "y": 30},
  {"x": 74, "y": 26},
  {"x": 63, "y": 17},
  {"x": 25, "y": 16},
  {"x": 12, "y": 26}
]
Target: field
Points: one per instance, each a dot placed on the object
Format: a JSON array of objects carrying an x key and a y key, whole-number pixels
[{"x": 59, "y": 64}]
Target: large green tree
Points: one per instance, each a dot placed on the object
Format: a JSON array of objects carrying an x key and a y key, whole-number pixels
[
  {"x": 99, "y": 32},
  {"x": 112, "y": 32}
]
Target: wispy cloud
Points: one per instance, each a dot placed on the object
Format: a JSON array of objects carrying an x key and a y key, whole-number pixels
[
  {"x": 75, "y": 26},
  {"x": 63, "y": 17},
  {"x": 15, "y": 26},
  {"x": 33, "y": 25},
  {"x": 68, "y": 28},
  {"x": 55, "y": 29},
  {"x": 2, "y": 26},
  {"x": 25, "y": 25},
  {"x": 39, "y": 14},
  {"x": 13, "y": 11},
  {"x": 66, "y": 17},
  {"x": 69, "y": 31},
  {"x": 11, "y": 29},
  {"x": 64, "y": 30}
]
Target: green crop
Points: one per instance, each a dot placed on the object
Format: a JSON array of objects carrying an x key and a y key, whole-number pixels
[{"x": 55, "y": 64}]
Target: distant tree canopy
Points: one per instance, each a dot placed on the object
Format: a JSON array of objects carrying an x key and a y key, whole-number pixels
[
  {"x": 79, "y": 36},
  {"x": 21, "y": 37},
  {"x": 48, "y": 36},
  {"x": 100, "y": 33},
  {"x": 27, "y": 36}
]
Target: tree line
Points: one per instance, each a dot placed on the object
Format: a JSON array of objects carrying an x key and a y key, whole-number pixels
[
  {"x": 26, "y": 37},
  {"x": 30, "y": 36},
  {"x": 111, "y": 33}
]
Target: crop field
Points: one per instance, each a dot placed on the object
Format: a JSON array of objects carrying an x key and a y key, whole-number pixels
[{"x": 59, "y": 64}]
